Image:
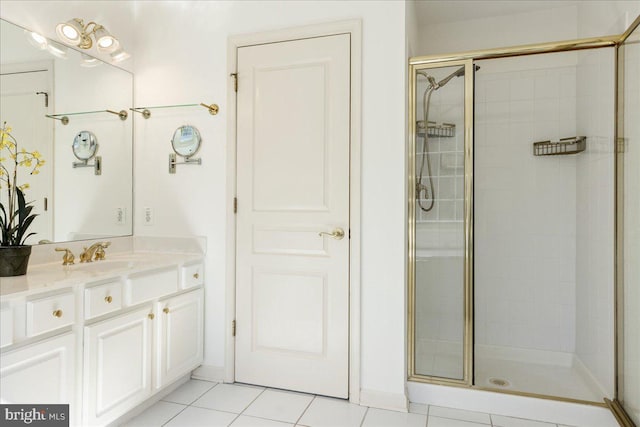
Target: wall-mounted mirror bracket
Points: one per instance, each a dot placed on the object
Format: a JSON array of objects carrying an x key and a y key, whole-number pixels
[
  {"x": 96, "y": 165},
  {"x": 173, "y": 161}
]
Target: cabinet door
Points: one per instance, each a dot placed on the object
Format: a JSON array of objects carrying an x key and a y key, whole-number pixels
[
  {"x": 43, "y": 372},
  {"x": 179, "y": 341},
  {"x": 117, "y": 362}
]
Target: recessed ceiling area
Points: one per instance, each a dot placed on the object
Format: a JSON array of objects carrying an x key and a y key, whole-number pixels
[{"x": 441, "y": 11}]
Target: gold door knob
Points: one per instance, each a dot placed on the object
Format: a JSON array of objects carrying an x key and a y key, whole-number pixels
[
  {"x": 151, "y": 316},
  {"x": 196, "y": 275},
  {"x": 165, "y": 310},
  {"x": 57, "y": 313},
  {"x": 337, "y": 234},
  {"x": 108, "y": 299}
]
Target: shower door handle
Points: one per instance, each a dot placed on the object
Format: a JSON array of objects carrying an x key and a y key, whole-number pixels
[{"x": 337, "y": 234}]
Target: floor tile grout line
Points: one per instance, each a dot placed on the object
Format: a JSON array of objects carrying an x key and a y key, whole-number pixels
[
  {"x": 366, "y": 412},
  {"x": 169, "y": 420},
  {"x": 190, "y": 403},
  {"x": 305, "y": 409},
  {"x": 251, "y": 403}
]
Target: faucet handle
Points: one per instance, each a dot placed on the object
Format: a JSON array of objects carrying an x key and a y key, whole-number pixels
[
  {"x": 100, "y": 253},
  {"x": 68, "y": 257}
]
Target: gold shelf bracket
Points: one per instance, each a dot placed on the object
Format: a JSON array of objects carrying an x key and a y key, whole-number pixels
[{"x": 146, "y": 111}]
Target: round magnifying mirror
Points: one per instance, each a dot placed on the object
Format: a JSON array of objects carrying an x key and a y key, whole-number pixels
[
  {"x": 85, "y": 145},
  {"x": 186, "y": 141}
]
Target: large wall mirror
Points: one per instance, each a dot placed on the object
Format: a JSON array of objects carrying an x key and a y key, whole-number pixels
[{"x": 43, "y": 81}]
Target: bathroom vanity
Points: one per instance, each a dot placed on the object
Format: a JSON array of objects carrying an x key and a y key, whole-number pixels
[{"x": 103, "y": 336}]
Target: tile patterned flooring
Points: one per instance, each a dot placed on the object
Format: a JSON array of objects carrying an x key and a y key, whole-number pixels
[{"x": 203, "y": 403}]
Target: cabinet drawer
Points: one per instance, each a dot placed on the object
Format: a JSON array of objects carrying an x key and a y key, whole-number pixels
[
  {"x": 102, "y": 299},
  {"x": 47, "y": 314},
  {"x": 148, "y": 286},
  {"x": 6, "y": 326},
  {"x": 192, "y": 275}
]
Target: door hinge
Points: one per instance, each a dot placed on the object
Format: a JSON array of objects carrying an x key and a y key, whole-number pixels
[
  {"x": 233, "y": 328},
  {"x": 46, "y": 98},
  {"x": 235, "y": 205},
  {"x": 46, "y": 204},
  {"x": 621, "y": 146},
  {"x": 235, "y": 81}
]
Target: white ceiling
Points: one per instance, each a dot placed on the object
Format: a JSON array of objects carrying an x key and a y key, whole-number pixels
[{"x": 441, "y": 11}]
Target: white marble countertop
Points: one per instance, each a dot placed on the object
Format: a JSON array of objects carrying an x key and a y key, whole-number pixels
[{"x": 49, "y": 276}]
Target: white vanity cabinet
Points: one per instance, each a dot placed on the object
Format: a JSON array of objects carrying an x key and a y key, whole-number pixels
[
  {"x": 179, "y": 336},
  {"x": 104, "y": 345},
  {"x": 117, "y": 365},
  {"x": 44, "y": 372}
]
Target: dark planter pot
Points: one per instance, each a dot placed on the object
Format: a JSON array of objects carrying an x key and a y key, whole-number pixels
[{"x": 14, "y": 260}]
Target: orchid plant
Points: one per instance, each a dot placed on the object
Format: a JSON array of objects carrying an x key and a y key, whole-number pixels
[{"x": 15, "y": 214}]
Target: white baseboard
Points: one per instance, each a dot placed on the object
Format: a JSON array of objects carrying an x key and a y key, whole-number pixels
[
  {"x": 383, "y": 400},
  {"x": 209, "y": 373},
  {"x": 509, "y": 405}
]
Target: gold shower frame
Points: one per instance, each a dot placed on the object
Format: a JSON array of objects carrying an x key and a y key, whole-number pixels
[{"x": 467, "y": 59}]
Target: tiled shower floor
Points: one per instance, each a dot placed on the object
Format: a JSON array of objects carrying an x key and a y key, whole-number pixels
[
  {"x": 445, "y": 359},
  {"x": 562, "y": 381}
]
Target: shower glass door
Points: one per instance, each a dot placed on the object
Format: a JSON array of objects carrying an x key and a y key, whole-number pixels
[
  {"x": 628, "y": 273},
  {"x": 439, "y": 203}
]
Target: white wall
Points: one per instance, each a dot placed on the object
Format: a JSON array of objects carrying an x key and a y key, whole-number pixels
[
  {"x": 499, "y": 31},
  {"x": 181, "y": 58}
]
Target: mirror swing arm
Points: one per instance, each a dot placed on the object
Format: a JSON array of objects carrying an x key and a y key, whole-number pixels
[
  {"x": 173, "y": 161},
  {"x": 97, "y": 165}
]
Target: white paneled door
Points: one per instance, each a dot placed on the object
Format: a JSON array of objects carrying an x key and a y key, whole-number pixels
[{"x": 292, "y": 282}]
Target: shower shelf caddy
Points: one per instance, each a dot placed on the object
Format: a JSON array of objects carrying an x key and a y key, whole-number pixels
[
  {"x": 572, "y": 145},
  {"x": 446, "y": 130}
]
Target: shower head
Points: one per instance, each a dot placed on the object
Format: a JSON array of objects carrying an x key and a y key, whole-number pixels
[
  {"x": 458, "y": 73},
  {"x": 437, "y": 85}
]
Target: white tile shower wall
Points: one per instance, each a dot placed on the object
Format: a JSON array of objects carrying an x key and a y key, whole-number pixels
[
  {"x": 595, "y": 216},
  {"x": 524, "y": 208},
  {"x": 446, "y": 154}
]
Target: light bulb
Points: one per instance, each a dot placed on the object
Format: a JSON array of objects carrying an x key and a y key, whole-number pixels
[
  {"x": 70, "y": 31},
  {"x": 106, "y": 42}
]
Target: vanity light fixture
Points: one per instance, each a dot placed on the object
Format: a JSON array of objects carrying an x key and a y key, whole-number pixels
[{"x": 76, "y": 33}]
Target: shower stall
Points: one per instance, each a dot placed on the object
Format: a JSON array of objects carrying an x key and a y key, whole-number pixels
[{"x": 523, "y": 221}]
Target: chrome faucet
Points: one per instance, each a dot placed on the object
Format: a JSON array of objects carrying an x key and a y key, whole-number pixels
[{"x": 96, "y": 249}]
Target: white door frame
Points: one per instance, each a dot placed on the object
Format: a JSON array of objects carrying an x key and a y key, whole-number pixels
[{"x": 354, "y": 28}]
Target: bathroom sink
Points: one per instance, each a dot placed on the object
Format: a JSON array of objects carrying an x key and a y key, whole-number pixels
[{"x": 104, "y": 266}]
